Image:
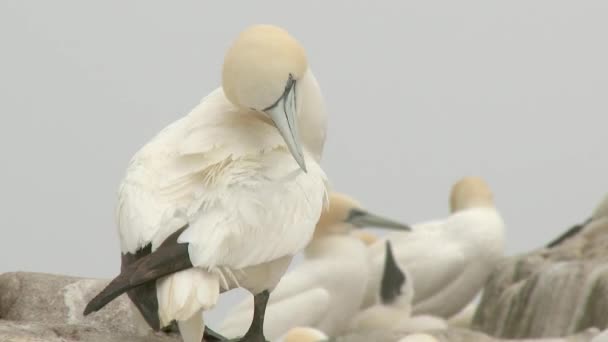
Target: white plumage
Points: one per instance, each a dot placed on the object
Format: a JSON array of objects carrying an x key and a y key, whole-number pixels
[
  {"x": 303, "y": 334},
  {"x": 234, "y": 178},
  {"x": 449, "y": 260}
]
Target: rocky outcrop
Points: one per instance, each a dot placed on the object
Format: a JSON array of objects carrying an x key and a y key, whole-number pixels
[
  {"x": 56, "y": 300},
  {"x": 38, "y": 307},
  {"x": 549, "y": 292},
  {"x": 45, "y": 307},
  {"x": 11, "y": 331}
]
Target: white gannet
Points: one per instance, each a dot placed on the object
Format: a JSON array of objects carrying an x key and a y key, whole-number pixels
[
  {"x": 303, "y": 334},
  {"x": 419, "y": 338},
  {"x": 450, "y": 259},
  {"x": 596, "y": 223},
  {"x": 394, "y": 305},
  {"x": 328, "y": 287},
  {"x": 225, "y": 196}
]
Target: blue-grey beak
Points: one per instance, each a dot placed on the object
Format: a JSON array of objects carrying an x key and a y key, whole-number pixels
[
  {"x": 284, "y": 115},
  {"x": 361, "y": 218}
]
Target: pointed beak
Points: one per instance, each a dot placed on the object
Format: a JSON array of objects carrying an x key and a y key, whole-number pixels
[
  {"x": 361, "y": 218},
  {"x": 283, "y": 114},
  {"x": 392, "y": 277}
]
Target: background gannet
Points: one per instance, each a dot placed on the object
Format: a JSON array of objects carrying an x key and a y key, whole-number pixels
[
  {"x": 394, "y": 305},
  {"x": 450, "y": 259},
  {"x": 225, "y": 196},
  {"x": 597, "y": 221},
  {"x": 327, "y": 288},
  {"x": 303, "y": 334}
]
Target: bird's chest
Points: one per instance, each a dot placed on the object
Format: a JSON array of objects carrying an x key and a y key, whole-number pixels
[{"x": 266, "y": 207}]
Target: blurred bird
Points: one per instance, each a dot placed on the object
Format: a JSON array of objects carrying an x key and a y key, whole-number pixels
[
  {"x": 327, "y": 288},
  {"x": 303, "y": 334},
  {"x": 597, "y": 222},
  {"x": 394, "y": 306},
  {"x": 450, "y": 259},
  {"x": 225, "y": 196}
]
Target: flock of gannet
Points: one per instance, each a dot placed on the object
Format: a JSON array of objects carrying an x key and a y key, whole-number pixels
[
  {"x": 224, "y": 198},
  {"x": 328, "y": 287}
]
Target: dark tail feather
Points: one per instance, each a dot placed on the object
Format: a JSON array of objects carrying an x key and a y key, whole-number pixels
[
  {"x": 169, "y": 258},
  {"x": 392, "y": 278},
  {"x": 117, "y": 286}
]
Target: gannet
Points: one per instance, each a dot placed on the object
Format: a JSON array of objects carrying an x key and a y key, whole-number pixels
[
  {"x": 225, "y": 196},
  {"x": 450, "y": 259},
  {"x": 327, "y": 288},
  {"x": 394, "y": 305},
  {"x": 303, "y": 334},
  {"x": 597, "y": 222}
]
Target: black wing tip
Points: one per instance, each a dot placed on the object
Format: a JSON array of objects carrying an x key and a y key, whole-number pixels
[{"x": 393, "y": 277}]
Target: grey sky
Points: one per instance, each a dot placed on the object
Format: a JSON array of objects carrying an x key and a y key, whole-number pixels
[{"x": 419, "y": 94}]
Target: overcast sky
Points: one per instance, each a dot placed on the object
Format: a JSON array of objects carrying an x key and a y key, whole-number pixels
[{"x": 419, "y": 94}]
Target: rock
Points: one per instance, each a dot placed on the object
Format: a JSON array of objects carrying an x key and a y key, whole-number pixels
[
  {"x": 549, "y": 292},
  {"x": 56, "y": 300},
  {"x": 11, "y": 331},
  {"x": 37, "y": 307}
]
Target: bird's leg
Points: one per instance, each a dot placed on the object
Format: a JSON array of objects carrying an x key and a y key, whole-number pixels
[{"x": 256, "y": 329}]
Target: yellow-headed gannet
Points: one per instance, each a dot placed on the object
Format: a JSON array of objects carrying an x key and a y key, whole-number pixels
[
  {"x": 303, "y": 334},
  {"x": 450, "y": 259},
  {"x": 225, "y": 196}
]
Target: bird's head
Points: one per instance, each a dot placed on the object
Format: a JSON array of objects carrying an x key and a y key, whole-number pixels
[
  {"x": 304, "y": 334},
  {"x": 470, "y": 192},
  {"x": 344, "y": 214},
  {"x": 261, "y": 72}
]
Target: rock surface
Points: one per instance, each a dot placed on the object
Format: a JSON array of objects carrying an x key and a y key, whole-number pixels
[
  {"x": 549, "y": 292},
  {"x": 38, "y": 307},
  {"x": 58, "y": 300},
  {"x": 11, "y": 331}
]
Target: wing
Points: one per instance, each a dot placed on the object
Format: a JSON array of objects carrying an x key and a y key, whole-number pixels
[
  {"x": 304, "y": 309},
  {"x": 169, "y": 258},
  {"x": 393, "y": 277},
  {"x": 232, "y": 179}
]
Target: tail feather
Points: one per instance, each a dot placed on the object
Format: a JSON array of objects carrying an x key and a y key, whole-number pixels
[{"x": 169, "y": 258}]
